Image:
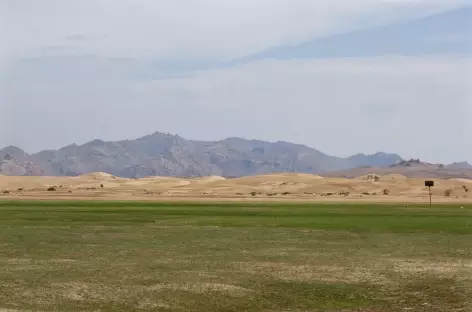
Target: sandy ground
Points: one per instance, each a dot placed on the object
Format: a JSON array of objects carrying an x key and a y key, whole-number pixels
[{"x": 291, "y": 187}]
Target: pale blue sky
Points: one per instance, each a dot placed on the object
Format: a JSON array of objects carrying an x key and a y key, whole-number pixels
[{"x": 342, "y": 77}]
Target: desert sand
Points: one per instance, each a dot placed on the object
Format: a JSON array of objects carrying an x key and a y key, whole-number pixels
[{"x": 300, "y": 187}]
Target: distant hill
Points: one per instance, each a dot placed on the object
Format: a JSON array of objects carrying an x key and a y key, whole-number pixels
[
  {"x": 413, "y": 168},
  {"x": 376, "y": 160},
  {"x": 416, "y": 164},
  {"x": 171, "y": 155},
  {"x": 460, "y": 165},
  {"x": 14, "y": 161}
]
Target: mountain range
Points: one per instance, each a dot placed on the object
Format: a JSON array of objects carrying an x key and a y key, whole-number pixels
[{"x": 171, "y": 155}]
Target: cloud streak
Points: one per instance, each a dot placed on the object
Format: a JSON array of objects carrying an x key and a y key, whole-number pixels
[{"x": 76, "y": 37}]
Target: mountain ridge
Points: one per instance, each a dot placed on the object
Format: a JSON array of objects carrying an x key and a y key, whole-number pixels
[{"x": 171, "y": 155}]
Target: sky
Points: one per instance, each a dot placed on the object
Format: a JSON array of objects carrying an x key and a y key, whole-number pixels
[{"x": 343, "y": 77}]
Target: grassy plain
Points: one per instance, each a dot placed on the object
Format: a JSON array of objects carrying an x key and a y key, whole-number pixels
[{"x": 145, "y": 256}]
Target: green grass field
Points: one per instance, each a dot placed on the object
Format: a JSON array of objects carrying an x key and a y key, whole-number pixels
[{"x": 143, "y": 256}]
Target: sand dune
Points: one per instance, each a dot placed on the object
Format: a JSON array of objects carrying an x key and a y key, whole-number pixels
[{"x": 296, "y": 186}]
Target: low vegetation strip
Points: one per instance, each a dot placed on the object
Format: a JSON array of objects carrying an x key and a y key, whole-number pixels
[{"x": 352, "y": 217}]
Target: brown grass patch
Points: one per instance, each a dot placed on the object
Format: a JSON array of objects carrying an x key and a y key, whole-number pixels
[
  {"x": 446, "y": 269},
  {"x": 201, "y": 288},
  {"x": 314, "y": 273}
]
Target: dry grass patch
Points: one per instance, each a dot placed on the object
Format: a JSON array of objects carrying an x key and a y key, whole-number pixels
[
  {"x": 314, "y": 273},
  {"x": 201, "y": 288},
  {"x": 443, "y": 268}
]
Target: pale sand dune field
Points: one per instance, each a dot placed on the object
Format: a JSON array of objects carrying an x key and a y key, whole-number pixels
[{"x": 372, "y": 187}]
